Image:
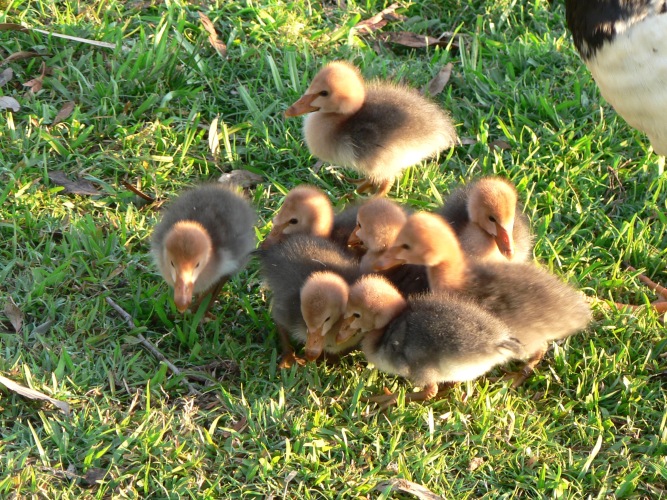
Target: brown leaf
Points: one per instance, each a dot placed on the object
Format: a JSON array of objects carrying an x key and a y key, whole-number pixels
[
  {"x": 236, "y": 426},
  {"x": 26, "y": 392},
  {"x": 14, "y": 314},
  {"x": 414, "y": 40},
  {"x": 6, "y": 75},
  {"x": 7, "y": 102},
  {"x": 500, "y": 144},
  {"x": 64, "y": 112},
  {"x": 242, "y": 178},
  {"x": 13, "y": 27},
  {"x": 438, "y": 83},
  {"x": 378, "y": 21},
  {"x": 93, "y": 475},
  {"x": 35, "y": 84},
  {"x": 17, "y": 56},
  {"x": 406, "y": 486},
  {"x": 81, "y": 186},
  {"x": 213, "y": 39}
]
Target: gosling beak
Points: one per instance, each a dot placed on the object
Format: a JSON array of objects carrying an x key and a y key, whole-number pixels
[
  {"x": 504, "y": 241},
  {"x": 275, "y": 235},
  {"x": 388, "y": 260},
  {"x": 183, "y": 289},
  {"x": 345, "y": 331},
  {"x": 302, "y": 106},
  {"x": 353, "y": 241},
  {"x": 314, "y": 344}
]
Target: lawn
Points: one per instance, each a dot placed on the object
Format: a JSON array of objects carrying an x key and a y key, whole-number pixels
[{"x": 160, "y": 109}]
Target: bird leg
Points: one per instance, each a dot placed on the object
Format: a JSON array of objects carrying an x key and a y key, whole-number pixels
[
  {"x": 213, "y": 292},
  {"x": 368, "y": 186},
  {"x": 287, "y": 358},
  {"x": 389, "y": 398},
  {"x": 383, "y": 188},
  {"x": 520, "y": 377}
]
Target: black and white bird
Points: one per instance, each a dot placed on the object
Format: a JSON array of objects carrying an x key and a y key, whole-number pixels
[{"x": 624, "y": 45}]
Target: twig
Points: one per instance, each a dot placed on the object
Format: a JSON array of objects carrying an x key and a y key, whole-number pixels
[
  {"x": 149, "y": 345},
  {"x": 139, "y": 193},
  {"x": 652, "y": 285}
]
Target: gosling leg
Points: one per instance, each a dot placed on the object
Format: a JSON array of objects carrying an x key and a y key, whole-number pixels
[
  {"x": 288, "y": 357},
  {"x": 528, "y": 368}
]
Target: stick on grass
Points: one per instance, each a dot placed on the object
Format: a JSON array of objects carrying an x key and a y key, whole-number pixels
[{"x": 151, "y": 348}]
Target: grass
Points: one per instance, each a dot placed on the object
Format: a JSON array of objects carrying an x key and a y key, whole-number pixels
[{"x": 592, "y": 420}]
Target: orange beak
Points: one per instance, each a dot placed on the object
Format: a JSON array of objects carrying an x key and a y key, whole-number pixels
[
  {"x": 182, "y": 294},
  {"x": 388, "y": 260},
  {"x": 274, "y": 236},
  {"x": 353, "y": 241},
  {"x": 302, "y": 106},
  {"x": 314, "y": 344},
  {"x": 345, "y": 331},
  {"x": 504, "y": 241}
]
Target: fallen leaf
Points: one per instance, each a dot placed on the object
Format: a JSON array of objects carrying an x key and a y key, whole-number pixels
[
  {"x": 406, "y": 486},
  {"x": 467, "y": 141},
  {"x": 17, "y": 56},
  {"x": 500, "y": 144},
  {"x": 378, "y": 21},
  {"x": 438, "y": 83},
  {"x": 93, "y": 476},
  {"x": 13, "y": 27},
  {"x": 14, "y": 314},
  {"x": 43, "y": 328},
  {"x": 242, "y": 178},
  {"x": 81, "y": 186},
  {"x": 6, "y": 75},
  {"x": 213, "y": 139},
  {"x": 64, "y": 112},
  {"x": 33, "y": 394},
  {"x": 236, "y": 426},
  {"x": 35, "y": 84},
  {"x": 414, "y": 40},
  {"x": 475, "y": 463},
  {"x": 213, "y": 39},
  {"x": 7, "y": 102}
]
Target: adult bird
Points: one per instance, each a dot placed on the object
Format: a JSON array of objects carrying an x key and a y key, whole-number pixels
[{"x": 624, "y": 45}]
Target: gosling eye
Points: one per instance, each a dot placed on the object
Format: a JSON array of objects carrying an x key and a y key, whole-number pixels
[
  {"x": 492, "y": 219},
  {"x": 405, "y": 246},
  {"x": 294, "y": 221},
  {"x": 357, "y": 315},
  {"x": 324, "y": 93}
]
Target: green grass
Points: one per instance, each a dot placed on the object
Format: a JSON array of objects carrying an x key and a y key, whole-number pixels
[{"x": 591, "y": 422}]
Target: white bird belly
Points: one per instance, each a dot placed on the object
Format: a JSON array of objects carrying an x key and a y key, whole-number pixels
[{"x": 631, "y": 73}]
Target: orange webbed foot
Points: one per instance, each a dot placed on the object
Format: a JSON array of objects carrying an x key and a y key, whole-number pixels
[{"x": 288, "y": 359}]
